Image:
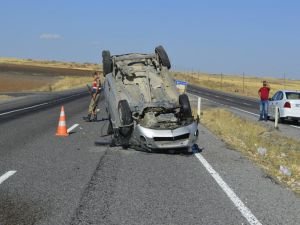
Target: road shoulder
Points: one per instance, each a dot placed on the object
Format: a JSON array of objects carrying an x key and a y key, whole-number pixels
[{"x": 258, "y": 191}]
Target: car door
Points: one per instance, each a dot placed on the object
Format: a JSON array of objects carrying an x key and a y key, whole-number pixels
[
  {"x": 271, "y": 107},
  {"x": 278, "y": 102}
]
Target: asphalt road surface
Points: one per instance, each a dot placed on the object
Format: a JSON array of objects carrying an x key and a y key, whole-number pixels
[
  {"x": 52, "y": 180},
  {"x": 244, "y": 103}
]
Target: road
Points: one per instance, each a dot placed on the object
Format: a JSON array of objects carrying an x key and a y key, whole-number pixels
[
  {"x": 28, "y": 101},
  {"x": 243, "y": 103},
  {"x": 69, "y": 180}
]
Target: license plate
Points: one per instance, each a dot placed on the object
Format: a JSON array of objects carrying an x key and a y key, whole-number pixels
[{"x": 297, "y": 105}]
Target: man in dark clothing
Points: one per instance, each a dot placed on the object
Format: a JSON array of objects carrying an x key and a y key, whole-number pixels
[{"x": 263, "y": 93}]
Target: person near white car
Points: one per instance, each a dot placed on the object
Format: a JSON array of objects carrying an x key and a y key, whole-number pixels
[{"x": 263, "y": 93}]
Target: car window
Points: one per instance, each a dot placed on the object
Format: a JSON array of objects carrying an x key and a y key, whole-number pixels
[
  {"x": 292, "y": 95},
  {"x": 279, "y": 96},
  {"x": 275, "y": 96}
]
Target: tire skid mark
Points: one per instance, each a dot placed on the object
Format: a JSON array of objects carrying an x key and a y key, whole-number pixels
[{"x": 103, "y": 179}]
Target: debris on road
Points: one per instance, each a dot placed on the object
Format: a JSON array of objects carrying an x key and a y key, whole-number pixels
[
  {"x": 285, "y": 171},
  {"x": 262, "y": 151}
]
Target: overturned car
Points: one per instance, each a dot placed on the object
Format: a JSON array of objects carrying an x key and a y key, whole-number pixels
[{"x": 144, "y": 108}]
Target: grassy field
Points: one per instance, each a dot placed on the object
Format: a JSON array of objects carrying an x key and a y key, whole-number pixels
[
  {"x": 19, "y": 75},
  {"x": 53, "y": 63},
  {"x": 5, "y": 97},
  {"x": 65, "y": 83},
  {"x": 247, "y": 86},
  {"x": 280, "y": 150}
]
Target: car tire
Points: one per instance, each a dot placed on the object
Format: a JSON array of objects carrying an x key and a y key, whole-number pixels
[
  {"x": 125, "y": 117},
  {"x": 106, "y": 62},
  {"x": 184, "y": 102},
  {"x": 163, "y": 56}
]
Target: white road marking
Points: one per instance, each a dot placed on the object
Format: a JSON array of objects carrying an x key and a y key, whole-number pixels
[
  {"x": 17, "y": 110},
  {"x": 246, "y": 104},
  {"x": 244, "y": 111},
  {"x": 72, "y": 127},
  {"x": 295, "y": 126},
  {"x": 229, "y": 192},
  {"x": 61, "y": 99},
  {"x": 206, "y": 99},
  {"x": 196, "y": 96},
  {"x": 7, "y": 175},
  {"x": 38, "y": 105},
  {"x": 228, "y": 99},
  {"x": 254, "y": 114}
]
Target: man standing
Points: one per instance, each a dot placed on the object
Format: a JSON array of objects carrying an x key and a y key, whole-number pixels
[
  {"x": 263, "y": 93},
  {"x": 95, "y": 94}
]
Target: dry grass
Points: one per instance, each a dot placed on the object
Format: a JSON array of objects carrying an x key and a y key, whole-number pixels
[
  {"x": 17, "y": 75},
  {"x": 236, "y": 84},
  {"x": 19, "y": 83},
  {"x": 65, "y": 83},
  {"x": 53, "y": 63},
  {"x": 5, "y": 97},
  {"x": 247, "y": 136}
]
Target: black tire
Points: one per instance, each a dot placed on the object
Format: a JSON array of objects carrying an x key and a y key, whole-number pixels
[
  {"x": 125, "y": 117},
  {"x": 106, "y": 62},
  {"x": 163, "y": 56},
  {"x": 185, "y": 106}
]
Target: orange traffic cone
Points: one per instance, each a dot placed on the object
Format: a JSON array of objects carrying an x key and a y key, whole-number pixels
[{"x": 62, "y": 126}]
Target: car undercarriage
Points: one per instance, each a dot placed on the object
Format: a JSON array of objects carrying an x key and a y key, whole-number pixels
[{"x": 144, "y": 107}]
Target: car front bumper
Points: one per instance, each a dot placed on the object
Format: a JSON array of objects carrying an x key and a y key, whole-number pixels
[{"x": 182, "y": 137}]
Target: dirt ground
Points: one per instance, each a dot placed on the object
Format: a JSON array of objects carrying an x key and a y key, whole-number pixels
[
  {"x": 16, "y": 78},
  {"x": 38, "y": 70},
  {"x": 10, "y": 82}
]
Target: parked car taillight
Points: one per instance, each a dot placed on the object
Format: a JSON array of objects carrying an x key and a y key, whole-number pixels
[{"x": 287, "y": 105}]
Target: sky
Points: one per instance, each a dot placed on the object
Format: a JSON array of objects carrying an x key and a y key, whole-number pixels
[{"x": 255, "y": 37}]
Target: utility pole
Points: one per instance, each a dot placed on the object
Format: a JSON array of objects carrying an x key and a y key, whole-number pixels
[
  {"x": 284, "y": 80},
  {"x": 221, "y": 81},
  {"x": 243, "y": 82}
]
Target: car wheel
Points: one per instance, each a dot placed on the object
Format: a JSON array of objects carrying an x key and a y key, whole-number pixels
[
  {"x": 126, "y": 118},
  {"x": 106, "y": 62},
  {"x": 185, "y": 106},
  {"x": 163, "y": 56}
]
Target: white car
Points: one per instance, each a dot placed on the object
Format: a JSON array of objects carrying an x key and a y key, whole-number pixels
[{"x": 288, "y": 103}]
